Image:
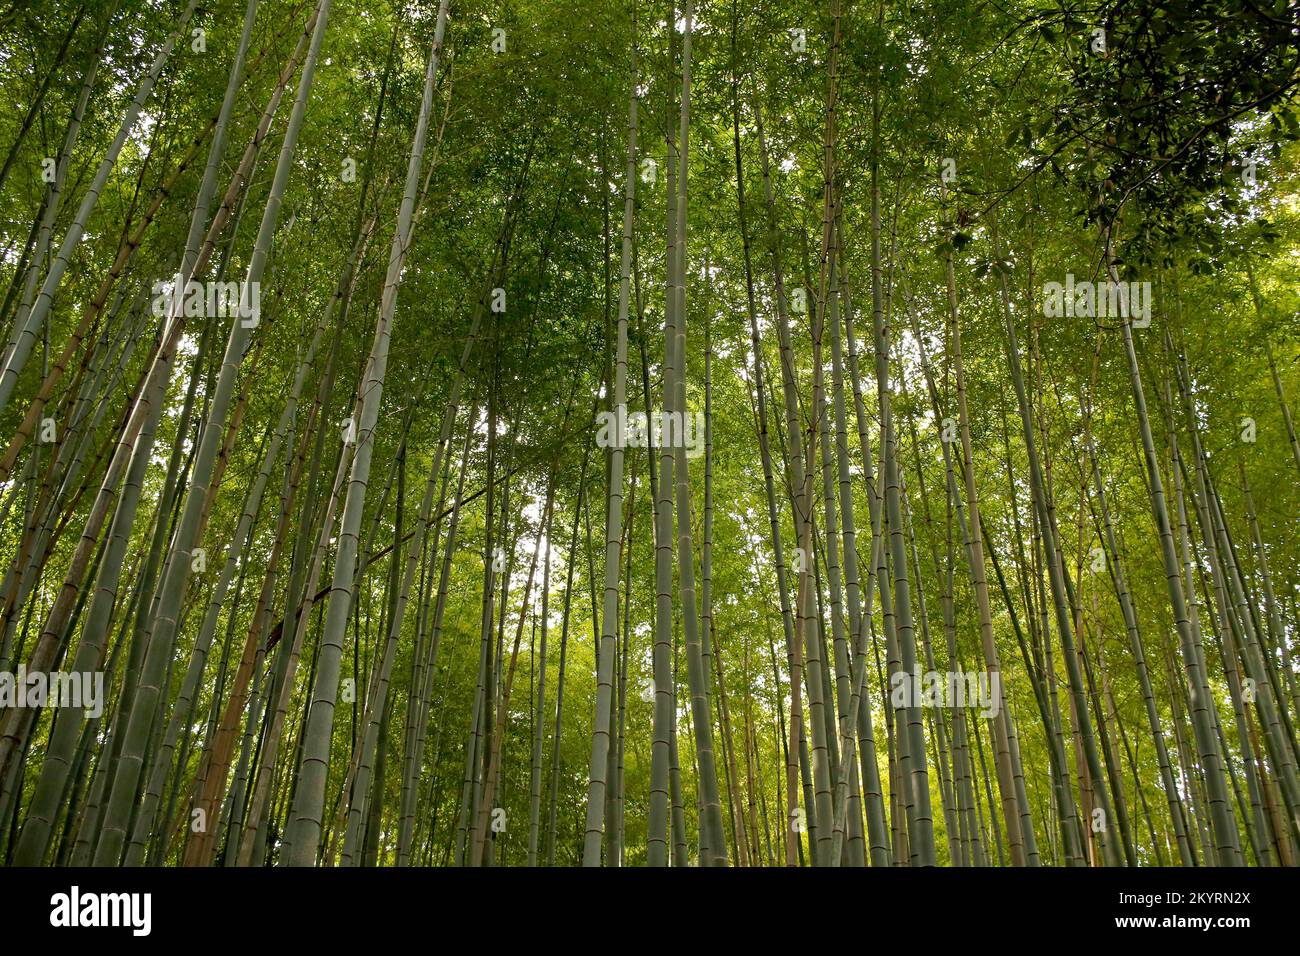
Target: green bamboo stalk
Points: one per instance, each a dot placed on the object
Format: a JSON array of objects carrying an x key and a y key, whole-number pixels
[{"x": 600, "y": 737}]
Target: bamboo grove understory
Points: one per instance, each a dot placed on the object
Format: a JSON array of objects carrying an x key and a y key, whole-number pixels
[{"x": 650, "y": 434}]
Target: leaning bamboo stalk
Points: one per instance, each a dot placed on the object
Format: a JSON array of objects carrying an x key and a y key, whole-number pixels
[
  {"x": 1115, "y": 565},
  {"x": 26, "y": 337},
  {"x": 125, "y": 255},
  {"x": 1020, "y": 840},
  {"x": 412, "y": 560},
  {"x": 43, "y": 224},
  {"x": 262, "y": 785},
  {"x": 34, "y": 108},
  {"x": 125, "y": 514},
  {"x": 143, "y": 404},
  {"x": 307, "y": 815},
  {"x": 407, "y": 823},
  {"x": 1225, "y": 830},
  {"x": 172, "y": 587}
]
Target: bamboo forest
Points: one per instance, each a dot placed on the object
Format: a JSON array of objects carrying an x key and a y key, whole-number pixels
[{"x": 546, "y": 433}]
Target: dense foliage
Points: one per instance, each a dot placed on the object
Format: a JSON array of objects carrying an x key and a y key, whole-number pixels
[{"x": 371, "y": 579}]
